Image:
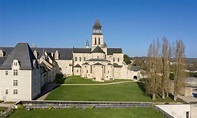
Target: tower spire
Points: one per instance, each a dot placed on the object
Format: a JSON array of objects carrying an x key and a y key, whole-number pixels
[{"x": 87, "y": 44}]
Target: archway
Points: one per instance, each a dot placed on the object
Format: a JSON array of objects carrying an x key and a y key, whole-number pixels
[{"x": 135, "y": 77}]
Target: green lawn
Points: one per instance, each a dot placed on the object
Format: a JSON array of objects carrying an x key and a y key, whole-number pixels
[
  {"x": 87, "y": 113},
  {"x": 118, "y": 92},
  {"x": 80, "y": 80}
]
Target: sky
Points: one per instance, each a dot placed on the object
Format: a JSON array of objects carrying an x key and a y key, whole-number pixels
[{"x": 128, "y": 24}]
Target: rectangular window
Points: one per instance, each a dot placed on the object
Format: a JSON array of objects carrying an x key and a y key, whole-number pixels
[
  {"x": 15, "y": 82},
  {"x": 118, "y": 60},
  {"x": 15, "y": 63},
  {"x": 75, "y": 58},
  {"x": 113, "y": 59},
  {"x": 6, "y": 72},
  {"x": 15, "y": 72},
  {"x": 6, "y": 91},
  {"x": 15, "y": 91},
  {"x": 84, "y": 58},
  {"x": 187, "y": 114},
  {"x": 79, "y": 58}
]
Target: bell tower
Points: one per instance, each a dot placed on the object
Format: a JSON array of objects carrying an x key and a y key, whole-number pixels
[{"x": 97, "y": 36}]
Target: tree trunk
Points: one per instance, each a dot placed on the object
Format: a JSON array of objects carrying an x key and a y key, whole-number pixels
[
  {"x": 175, "y": 96},
  {"x": 153, "y": 97},
  {"x": 167, "y": 94},
  {"x": 163, "y": 94}
]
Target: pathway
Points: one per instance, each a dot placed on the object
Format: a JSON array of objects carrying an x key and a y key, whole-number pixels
[{"x": 97, "y": 84}]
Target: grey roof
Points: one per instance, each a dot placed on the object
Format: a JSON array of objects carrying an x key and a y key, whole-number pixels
[
  {"x": 116, "y": 65},
  {"x": 6, "y": 50},
  {"x": 135, "y": 68},
  {"x": 98, "y": 50},
  {"x": 97, "y": 64},
  {"x": 77, "y": 66},
  {"x": 110, "y": 51},
  {"x": 23, "y": 53},
  {"x": 85, "y": 63},
  {"x": 2, "y": 59},
  {"x": 64, "y": 53},
  {"x": 97, "y": 59},
  {"x": 109, "y": 64},
  {"x": 97, "y": 25},
  {"x": 81, "y": 50}
]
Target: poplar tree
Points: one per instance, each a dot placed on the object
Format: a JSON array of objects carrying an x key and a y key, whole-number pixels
[
  {"x": 179, "y": 67},
  {"x": 153, "y": 69},
  {"x": 166, "y": 53}
]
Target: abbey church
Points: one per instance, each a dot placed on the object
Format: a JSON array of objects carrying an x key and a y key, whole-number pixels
[{"x": 24, "y": 69}]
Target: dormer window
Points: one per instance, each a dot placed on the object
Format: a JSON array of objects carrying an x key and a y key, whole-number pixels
[
  {"x": 1, "y": 53},
  {"x": 57, "y": 55},
  {"x": 15, "y": 64}
]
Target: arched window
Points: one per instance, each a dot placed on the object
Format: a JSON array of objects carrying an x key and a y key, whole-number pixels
[{"x": 95, "y": 41}]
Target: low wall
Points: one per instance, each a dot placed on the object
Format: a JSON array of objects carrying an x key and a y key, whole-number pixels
[{"x": 82, "y": 104}]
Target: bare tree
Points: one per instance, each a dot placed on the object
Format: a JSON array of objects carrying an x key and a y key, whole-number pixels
[
  {"x": 179, "y": 67},
  {"x": 166, "y": 52},
  {"x": 153, "y": 69}
]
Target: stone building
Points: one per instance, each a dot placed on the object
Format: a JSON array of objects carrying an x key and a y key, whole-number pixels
[
  {"x": 24, "y": 70},
  {"x": 19, "y": 74}
]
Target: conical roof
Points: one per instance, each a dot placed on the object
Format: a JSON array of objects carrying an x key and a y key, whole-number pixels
[{"x": 97, "y": 25}]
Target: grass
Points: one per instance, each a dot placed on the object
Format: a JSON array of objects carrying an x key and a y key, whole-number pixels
[
  {"x": 86, "y": 113},
  {"x": 80, "y": 80},
  {"x": 117, "y": 92}
]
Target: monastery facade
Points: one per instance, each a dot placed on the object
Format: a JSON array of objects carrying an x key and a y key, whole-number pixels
[{"x": 24, "y": 69}]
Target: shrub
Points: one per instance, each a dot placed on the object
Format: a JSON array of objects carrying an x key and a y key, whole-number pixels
[
  {"x": 1, "y": 101},
  {"x": 50, "y": 107},
  {"x": 20, "y": 106},
  {"x": 91, "y": 107}
]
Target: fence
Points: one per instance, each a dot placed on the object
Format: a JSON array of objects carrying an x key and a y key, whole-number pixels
[{"x": 82, "y": 104}]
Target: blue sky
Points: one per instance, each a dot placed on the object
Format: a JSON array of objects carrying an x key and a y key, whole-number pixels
[{"x": 129, "y": 24}]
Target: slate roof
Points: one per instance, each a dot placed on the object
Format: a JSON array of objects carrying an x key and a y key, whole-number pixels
[
  {"x": 98, "y": 50},
  {"x": 64, "y": 53},
  {"x": 135, "y": 68},
  {"x": 97, "y": 25},
  {"x": 116, "y": 65},
  {"x": 85, "y": 63},
  {"x": 6, "y": 50},
  {"x": 97, "y": 59},
  {"x": 2, "y": 59},
  {"x": 110, "y": 51},
  {"x": 81, "y": 50},
  {"x": 77, "y": 66},
  {"x": 97, "y": 64},
  {"x": 23, "y": 53}
]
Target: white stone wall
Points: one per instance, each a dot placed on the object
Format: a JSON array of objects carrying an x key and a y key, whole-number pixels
[
  {"x": 98, "y": 72},
  {"x": 66, "y": 66},
  {"x": 97, "y": 38},
  {"x": 23, "y": 87},
  {"x": 193, "y": 111},
  {"x": 177, "y": 111}
]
